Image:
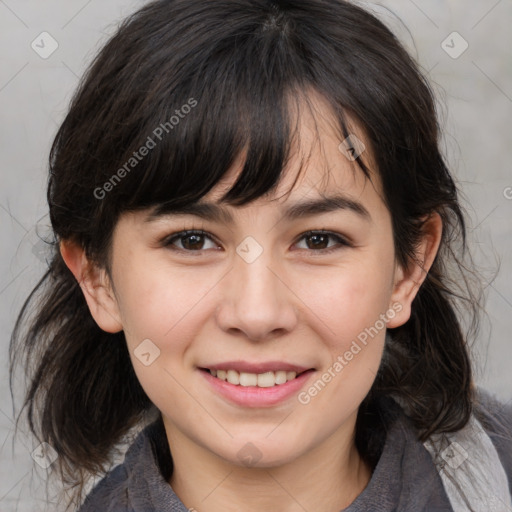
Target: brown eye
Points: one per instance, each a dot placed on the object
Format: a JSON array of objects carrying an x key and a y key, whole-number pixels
[
  {"x": 190, "y": 241},
  {"x": 318, "y": 241}
]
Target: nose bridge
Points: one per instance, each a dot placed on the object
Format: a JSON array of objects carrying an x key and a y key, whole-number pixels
[
  {"x": 255, "y": 276},
  {"x": 259, "y": 301}
]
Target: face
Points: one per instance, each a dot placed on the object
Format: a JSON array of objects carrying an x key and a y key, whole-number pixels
[{"x": 265, "y": 296}]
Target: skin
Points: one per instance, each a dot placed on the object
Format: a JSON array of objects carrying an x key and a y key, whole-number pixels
[{"x": 292, "y": 303}]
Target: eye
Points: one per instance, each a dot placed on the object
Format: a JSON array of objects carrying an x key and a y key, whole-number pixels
[
  {"x": 319, "y": 241},
  {"x": 190, "y": 241},
  {"x": 196, "y": 241}
]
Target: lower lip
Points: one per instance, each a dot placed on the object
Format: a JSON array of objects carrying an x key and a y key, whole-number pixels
[{"x": 254, "y": 396}]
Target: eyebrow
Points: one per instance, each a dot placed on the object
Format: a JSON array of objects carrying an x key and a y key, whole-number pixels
[{"x": 217, "y": 213}]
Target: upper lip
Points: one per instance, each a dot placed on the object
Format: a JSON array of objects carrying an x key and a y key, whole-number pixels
[{"x": 247, "y": 367}]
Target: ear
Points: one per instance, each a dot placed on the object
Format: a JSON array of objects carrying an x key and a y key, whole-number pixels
[
  {"x": 95, "y": 285},
  {"x": 408, "y": 281}
]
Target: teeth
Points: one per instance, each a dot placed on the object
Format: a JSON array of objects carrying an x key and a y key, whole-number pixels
[
  {"x": 233, "y": 377},
  {"x": 266, "y": 380},
  {"x": 262, "y": 380},
  {"x": 248, "y": 379}
]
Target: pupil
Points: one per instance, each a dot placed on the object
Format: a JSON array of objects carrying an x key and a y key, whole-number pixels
[
  {"x": 196, "y": 241},
  {"x": 318, "y": 239}
]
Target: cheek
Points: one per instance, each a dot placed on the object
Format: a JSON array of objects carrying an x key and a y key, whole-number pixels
[
  {"x": 158, "y": 302},
  {"x": 353, "y": 306},
  {"x": 349, "y": 300},
  {"x": 163, "y": 311},
  {"x": 158, "y": 309},
  {"x": 354, "y": 341}
]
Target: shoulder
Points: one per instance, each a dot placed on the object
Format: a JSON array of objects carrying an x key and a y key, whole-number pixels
[
  {"x": 137, "y": 483},
  {"x": 496, "y": 419},
  {"x": 497, "y": 413},
  {"x": 110, "y": 494}
]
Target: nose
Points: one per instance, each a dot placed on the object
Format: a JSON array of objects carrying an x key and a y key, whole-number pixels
[{"x": 256, "y": 300}]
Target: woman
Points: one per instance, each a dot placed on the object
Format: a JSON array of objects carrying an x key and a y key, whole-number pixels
[{"x": 255, "y": 226}]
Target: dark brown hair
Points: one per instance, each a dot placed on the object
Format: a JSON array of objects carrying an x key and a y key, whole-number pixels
[{"x": 236, "y": 63}]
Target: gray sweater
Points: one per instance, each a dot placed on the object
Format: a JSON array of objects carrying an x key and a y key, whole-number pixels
[{"x": 404, "y": 479}]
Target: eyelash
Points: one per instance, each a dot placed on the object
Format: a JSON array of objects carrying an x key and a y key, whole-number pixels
[{"x": 342, "y": 242}]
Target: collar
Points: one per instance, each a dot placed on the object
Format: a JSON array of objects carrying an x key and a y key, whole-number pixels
[{"x": 405, "y": 478}]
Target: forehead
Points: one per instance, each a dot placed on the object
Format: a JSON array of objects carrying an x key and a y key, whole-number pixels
[
  {"x": 311, "y": 190},
  {"x": 321, "y": 161},
  {"x": 319, "y": 175}
]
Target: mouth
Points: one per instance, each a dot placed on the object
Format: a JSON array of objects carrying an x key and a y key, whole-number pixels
[{"x": 266, "y": 379}]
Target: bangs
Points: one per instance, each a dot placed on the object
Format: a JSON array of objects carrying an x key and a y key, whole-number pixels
[
  {"x": 185, "y": 119},
  {"x": 252, "y": 121},
  {"x": 185, "y": 89},
  {"x": 260, "y": 133}
]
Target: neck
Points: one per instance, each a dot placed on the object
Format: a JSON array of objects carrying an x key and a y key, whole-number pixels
[{"x": 327, "y": 478}]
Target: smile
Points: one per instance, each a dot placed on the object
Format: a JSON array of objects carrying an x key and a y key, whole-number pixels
[
  {"x": 261, "y": 380},
  {"x": 263, "y": 389}
]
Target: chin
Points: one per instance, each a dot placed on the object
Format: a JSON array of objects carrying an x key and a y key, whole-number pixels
[{"x": 261, "y": 452}]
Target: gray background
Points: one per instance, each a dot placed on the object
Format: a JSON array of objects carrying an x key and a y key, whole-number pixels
[{"x": 475, "y": 89}]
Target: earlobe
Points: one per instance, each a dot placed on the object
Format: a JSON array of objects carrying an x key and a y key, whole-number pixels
[
  {"x": 95, "y": 286},
  {"x": 408, "y": 281}
]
